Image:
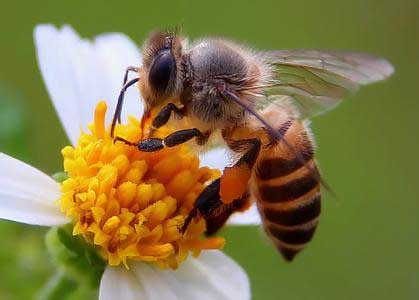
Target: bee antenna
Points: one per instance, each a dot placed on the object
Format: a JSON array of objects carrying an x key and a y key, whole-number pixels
[
  {"x": 278, "y": 136},
  {"x": 125, "y": 86},
  {"x": 269, "y": 128}
]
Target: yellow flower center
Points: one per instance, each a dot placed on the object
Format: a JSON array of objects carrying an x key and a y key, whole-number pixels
[{"x": 131, "y": 204}]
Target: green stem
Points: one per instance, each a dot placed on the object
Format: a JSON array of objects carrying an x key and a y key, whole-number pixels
[{"x": 59, "y": 286}]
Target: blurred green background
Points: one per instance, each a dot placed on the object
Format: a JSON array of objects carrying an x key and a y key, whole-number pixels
[{"x": 367, "y": 244}]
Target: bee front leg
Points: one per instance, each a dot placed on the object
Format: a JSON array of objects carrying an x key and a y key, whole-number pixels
[
  {"x": 172, "y": 140},
  {"x": 164, "y": 115}
]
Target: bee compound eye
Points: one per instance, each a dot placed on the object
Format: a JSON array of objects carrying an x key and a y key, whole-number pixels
[{"x": 162, "y": 71}]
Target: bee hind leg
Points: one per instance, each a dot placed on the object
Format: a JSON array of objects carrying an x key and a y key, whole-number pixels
[
  {"x": 213, "y": 210},
  {"x": 216, "y": 205},
  {"x": 219, "y": 216},
  {"x": 235, "y": 179}
]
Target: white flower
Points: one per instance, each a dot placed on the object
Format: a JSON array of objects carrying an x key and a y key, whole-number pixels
[{"x": 77, "y": 74}]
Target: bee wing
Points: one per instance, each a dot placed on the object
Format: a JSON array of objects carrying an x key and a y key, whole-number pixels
[{"x": 316, "y": 80}]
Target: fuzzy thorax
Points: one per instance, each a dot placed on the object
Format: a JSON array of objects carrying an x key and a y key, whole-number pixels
[{"x": 131, "y": 204}]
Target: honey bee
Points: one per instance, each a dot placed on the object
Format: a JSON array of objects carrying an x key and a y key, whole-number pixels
[{"x": 259, "y": 102}]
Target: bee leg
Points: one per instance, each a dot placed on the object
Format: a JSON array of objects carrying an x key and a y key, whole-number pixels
[
  {"x": 212, "y": 209},
  {"x": 164, "y": 115},
  {"x": 219, "y": 215},
  {"x": 234, "y": 181},
  {"x": 208, "y": 200},
  {"x": 125, "y": 85},
  {"x": 174, "y": 139},
  {"x": 250, "y": 156},
  {"x": 216, "y": 205}
]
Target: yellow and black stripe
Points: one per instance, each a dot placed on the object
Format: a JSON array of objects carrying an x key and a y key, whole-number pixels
[{"x": 288, "y": 190}]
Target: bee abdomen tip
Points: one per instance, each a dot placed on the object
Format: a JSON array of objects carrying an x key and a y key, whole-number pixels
[{"x": 288, "y": 254}]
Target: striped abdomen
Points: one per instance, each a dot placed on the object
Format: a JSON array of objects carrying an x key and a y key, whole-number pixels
[{"x": 287, "y": 188}]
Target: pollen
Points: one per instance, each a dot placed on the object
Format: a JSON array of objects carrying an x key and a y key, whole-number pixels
[{"x": 132, "y": 204}]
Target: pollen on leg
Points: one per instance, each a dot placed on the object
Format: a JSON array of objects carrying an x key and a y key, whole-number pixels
[
  {"x": 131, "y": 204},
  {"x": 234, "y": 182}
]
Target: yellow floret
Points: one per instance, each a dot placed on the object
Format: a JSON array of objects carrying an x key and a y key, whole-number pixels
[{"x": 131, "y": 204}]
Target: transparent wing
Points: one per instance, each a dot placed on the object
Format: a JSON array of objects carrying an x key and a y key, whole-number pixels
[{"x": 316, "y": 81}]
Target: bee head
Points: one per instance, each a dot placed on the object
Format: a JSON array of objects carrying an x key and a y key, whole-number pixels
[{"x": 162, "y": 68}]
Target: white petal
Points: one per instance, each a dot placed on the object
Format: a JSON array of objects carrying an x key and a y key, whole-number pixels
[
  {"x": 248, "y": 217},
  {"x": 216, "y": 158},
  {"x": 212, "y": 275},
  {"x": 78, "y": 73},
  {"x": 116, "y": 52},
  {"x": 27, "y": 195},
  {"x": 118, "y": 283}
]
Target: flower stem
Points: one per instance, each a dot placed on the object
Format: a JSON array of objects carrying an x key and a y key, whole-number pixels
[{"x": 60, "y": 286}]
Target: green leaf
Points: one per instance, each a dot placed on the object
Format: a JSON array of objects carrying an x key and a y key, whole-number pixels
[
  {"x": 60, "y": 176},
  {"x": 74, "y": 256},
  {"x": 60, "y": 286}
]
